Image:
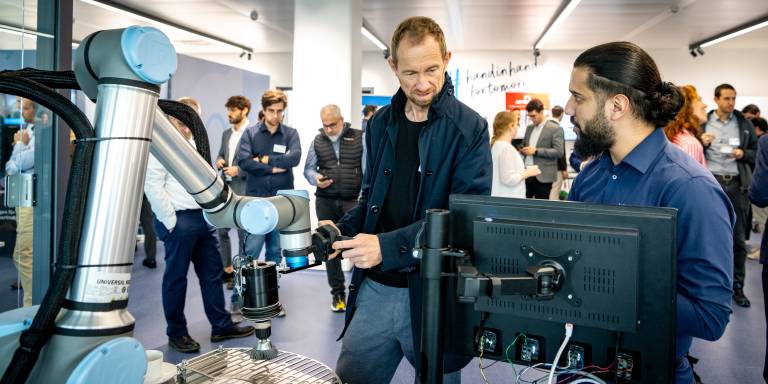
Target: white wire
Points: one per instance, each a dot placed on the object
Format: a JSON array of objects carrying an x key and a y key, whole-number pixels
[
  {"x": 588, "y": 380},
  {"x": 568, "y": 333},
  {"x": 482, "y": 369}
]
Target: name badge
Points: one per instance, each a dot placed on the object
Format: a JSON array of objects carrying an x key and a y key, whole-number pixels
[
  {"x": 734, "y": 141},
  {"x": 726, "y": 149},
  {"x": 278, "y": 148}
]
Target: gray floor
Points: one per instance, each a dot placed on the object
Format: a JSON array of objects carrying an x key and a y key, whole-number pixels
[{"x": 311, "y": 328}]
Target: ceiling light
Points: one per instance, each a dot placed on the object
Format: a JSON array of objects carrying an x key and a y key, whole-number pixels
[
  {"x": 155, "y": 20},
  {"x": 731, "y": 33},
  {"x": 700, "y": 51},
  {"x": 32, "y": 34},
  {"x": 560, "y": 17},
  {"x": 375, "y": 40}
]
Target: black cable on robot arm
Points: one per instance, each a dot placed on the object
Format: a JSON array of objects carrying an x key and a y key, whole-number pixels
[
  {"x": 51, "y": 79},
  {"x": 191, "y": 119},
  {"x": 32, "y": 340}
]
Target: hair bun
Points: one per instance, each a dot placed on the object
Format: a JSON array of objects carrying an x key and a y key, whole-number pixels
[{"x": 665, "y": 104}]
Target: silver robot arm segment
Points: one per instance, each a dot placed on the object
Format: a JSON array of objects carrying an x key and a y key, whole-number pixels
[{"x": 288, "y": 211}]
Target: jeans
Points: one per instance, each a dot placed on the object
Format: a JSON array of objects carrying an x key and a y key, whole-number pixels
[{"x": 254, "y": 243}]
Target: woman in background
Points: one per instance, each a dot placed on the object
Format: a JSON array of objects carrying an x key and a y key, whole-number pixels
[
  {"x": 509, "y": 172},
  {"x": 685, "y": 130}
]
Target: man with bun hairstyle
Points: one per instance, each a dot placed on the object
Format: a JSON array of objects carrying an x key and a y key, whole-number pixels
[{"x": 619, "y": 102}]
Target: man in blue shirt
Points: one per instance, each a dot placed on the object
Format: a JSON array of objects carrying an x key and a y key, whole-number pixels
[
  {"x": 618, "y": 101},
  {"x": 22, "y": 161},
  {"x": 758, "y": 194},
  {"x": 267, "y": 152}
]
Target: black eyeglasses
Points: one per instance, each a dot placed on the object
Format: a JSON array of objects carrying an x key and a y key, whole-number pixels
[{"x": 329, "y": 126}]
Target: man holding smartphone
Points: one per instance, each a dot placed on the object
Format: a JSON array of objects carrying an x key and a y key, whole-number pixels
[
  {"x": 238, "y": 108},
  {"x": 335, "y": 164}
]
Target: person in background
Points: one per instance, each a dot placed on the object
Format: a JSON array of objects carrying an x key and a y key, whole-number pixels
[
  {"x": 758, "y": 194},
  {"x": 759, "y": 215},
  {"x": 509, "y": 172},
  {"x": 150, "y": 237},
  {"x": 238, "y": 108},
  {"x": 750, "y": 111},
  {"x": 368, "y": 112},
  {"x": 760, "y": 126},
  {"x": 730, "y": 146},
  {"x": 267, "y": 152},
  {"x": 22, "y": 161},
  {"x": 335, "y": 165},
  {"x": 188, "y": 238},
  {"x": 562, "y": 164},
  {"x": 543, "y": 144},
  {"x": 684, "y": 131}
]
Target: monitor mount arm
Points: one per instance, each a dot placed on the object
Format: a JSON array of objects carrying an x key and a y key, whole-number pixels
[{"x": 539, "y": 281}]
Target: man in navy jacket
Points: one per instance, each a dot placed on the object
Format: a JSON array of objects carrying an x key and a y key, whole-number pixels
[
  {"x": 420, "y": 149},
  {"x": 267, "y": 152}
]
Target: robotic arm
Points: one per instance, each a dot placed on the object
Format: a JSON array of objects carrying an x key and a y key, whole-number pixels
[{"x": 288, "y": 212}]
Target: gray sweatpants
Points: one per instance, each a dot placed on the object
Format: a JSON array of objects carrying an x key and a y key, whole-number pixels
[{"x": 379, "y": 336}]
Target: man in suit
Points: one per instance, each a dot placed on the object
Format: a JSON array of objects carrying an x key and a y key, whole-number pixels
[
  {"x": 543, "y": 144},
  {"x": 730, "y": 146},
  {"x": 238, "y": 108}
]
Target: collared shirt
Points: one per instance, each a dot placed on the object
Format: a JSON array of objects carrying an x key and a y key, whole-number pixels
[
  {"x": 656, "y": 173},
  {"x": 310, "y": 166},
  {"x": 284, "y": 151},
  {"x": 234, "y": 141},
  {"x": 533, "y": 140},
  {"x": 22, "y": 158},
  {"x": 719, "y": 158},
  {"x": 165, "y": 194}
]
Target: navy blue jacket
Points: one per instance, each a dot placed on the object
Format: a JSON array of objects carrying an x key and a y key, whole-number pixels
[
  {"x": 284, "y": 151},
  {"x": 758, "y": 191},
  {"x": 455, "y": 157}
]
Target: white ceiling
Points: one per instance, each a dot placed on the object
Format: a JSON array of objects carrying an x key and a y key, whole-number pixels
[{"x": 468, "y": 24}]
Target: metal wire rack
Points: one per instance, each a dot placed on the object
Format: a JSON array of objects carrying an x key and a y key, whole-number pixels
[{"x": 234, "y": 365}]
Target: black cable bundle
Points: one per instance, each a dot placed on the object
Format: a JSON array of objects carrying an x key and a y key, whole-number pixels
[
  {"x": 191, "y": 119},
  {"x": 51, "y": 79},
  {"x": 18, "y": 83}
]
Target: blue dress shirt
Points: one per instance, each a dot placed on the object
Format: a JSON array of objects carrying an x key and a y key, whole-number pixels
[{"x": 658, "y": 174}]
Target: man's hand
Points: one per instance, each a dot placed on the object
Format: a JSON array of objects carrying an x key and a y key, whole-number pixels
[
  {"x": 16, "y": 137},
  {"x": 264, "y": 159},
  {"x": 364, "y": 250},
  {"x": 565, "y": 175},
  {"x": 738, "y": 153},
  {"x": 231, "y": 171},
  {"x": 528, "y": 151},
  {"x": 25, "y": 137},
  {"x": 220, "y": 163},
  {"x": 277, "y": 170},
  {"x": 707, "y": 138},
  {"x": 324, "y": 183}
]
